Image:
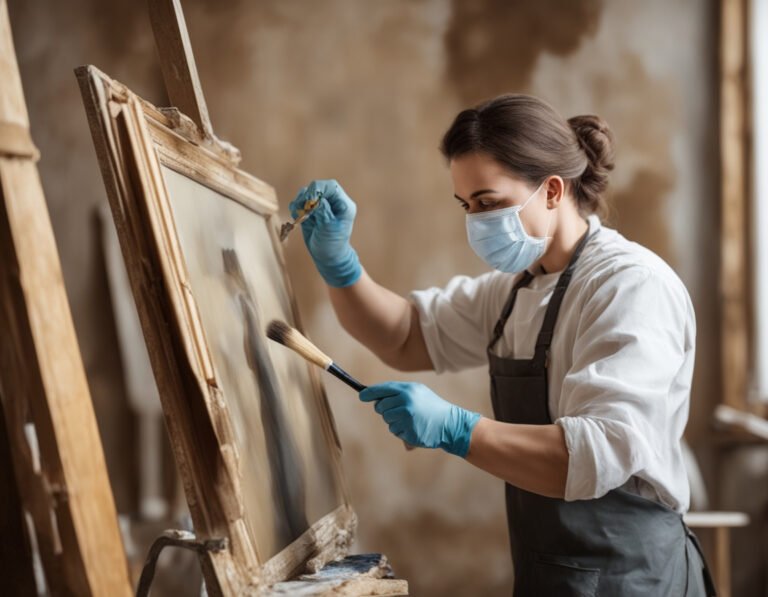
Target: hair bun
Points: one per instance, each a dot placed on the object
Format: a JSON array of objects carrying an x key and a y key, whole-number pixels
[{"x": 596, "y": 140}]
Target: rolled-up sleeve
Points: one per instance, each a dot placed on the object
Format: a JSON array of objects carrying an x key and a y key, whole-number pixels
[
  {"x": 614, "y": 408},
  {"x": 456, "y": 320}
]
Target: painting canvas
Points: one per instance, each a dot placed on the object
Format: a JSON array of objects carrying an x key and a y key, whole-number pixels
[{"x": 288, "y": 478}]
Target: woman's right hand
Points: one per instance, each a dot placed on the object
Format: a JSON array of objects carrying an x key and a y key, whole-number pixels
[{"x": 327, "y": 231}]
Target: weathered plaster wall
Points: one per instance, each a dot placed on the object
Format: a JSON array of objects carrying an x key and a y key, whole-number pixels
[{"x": 361, "y": 92}]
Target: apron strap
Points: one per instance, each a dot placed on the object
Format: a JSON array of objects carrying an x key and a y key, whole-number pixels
[
  {"x": 547, "y": 330},
  {"x": 498, "y": 330}
]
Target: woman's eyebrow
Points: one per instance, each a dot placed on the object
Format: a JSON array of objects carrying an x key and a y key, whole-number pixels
[{"x": 476, "y": 194}]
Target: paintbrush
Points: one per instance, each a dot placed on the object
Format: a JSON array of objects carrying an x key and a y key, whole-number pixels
[
  {"x": 303, "y": 214},
  {"x": 282, "y": 333}
]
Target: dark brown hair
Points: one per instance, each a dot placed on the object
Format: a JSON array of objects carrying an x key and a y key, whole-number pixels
[{"x": 528, "y": 137}]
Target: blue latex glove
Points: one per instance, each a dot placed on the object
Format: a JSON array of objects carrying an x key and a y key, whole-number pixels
[
  {"x": 327, "y": 230},
  {"x": 417, "y": 415}
]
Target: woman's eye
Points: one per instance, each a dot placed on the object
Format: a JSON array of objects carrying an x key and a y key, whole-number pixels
[
  {"x": 464, "y": 206},
  {"x": 488, "y": 204}
]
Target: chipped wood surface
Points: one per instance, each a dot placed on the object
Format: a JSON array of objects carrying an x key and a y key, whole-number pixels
[
  {"x": 356, "y": 575},
  {"x": 54, "y": 441}
]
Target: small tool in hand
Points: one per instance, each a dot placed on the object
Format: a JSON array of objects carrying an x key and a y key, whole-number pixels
[
  {"x": 282, "y": 333},
  {"x": 303, "y": 214}
]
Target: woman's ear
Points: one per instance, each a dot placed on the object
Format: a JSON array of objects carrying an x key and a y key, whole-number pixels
[{"x": 555, "y": 187}]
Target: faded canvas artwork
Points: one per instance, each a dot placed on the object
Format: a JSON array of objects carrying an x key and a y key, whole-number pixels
[{"x": 288, "y": 478}]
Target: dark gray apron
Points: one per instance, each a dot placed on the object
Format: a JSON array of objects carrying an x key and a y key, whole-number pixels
[{"x": 620, "y": 544}]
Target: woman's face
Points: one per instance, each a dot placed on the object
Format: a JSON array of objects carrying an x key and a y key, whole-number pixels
[{"x": 482, "y": 184}]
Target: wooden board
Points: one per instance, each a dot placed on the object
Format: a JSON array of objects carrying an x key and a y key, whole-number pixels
[
  {"x": 54, "y": 441},
  {"x": 736, "y": 359},
  {"x": 155, "y": 169}
]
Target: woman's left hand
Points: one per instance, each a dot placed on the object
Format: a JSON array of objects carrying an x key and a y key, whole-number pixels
[{"x": 420, "y": 417}]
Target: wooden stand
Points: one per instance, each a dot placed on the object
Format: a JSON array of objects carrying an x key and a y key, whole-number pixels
[
  {"x": 53, "y": 440},
  {"x": 135, "y": 141}
]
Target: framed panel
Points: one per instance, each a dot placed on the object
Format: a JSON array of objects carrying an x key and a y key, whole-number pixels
[{"x": 248, "y": 420}]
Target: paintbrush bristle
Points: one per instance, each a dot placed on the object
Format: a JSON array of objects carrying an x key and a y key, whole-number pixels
[{"x": 282, "y": 333}]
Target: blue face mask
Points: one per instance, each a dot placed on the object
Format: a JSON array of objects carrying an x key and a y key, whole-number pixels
[{"x": 499, "y": 238}]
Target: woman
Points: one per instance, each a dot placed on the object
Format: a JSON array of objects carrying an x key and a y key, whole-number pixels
[{"x": 590, "y": 342}]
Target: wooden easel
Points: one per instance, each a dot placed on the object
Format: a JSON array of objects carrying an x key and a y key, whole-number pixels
[
  {"x": 367, "y": 574},
  {"x": 48, "y": 428}
]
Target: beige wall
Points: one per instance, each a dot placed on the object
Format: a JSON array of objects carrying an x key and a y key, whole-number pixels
[{"x": 361, "y": 91}]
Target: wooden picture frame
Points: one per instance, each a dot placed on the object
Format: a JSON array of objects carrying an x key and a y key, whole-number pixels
[{"x": 137, "y": 145}]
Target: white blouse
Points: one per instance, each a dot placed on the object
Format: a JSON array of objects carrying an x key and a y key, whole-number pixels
[{"x": 621, "y": 360}]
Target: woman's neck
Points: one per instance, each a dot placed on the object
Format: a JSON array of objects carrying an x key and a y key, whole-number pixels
[{"x": 563, "y": 244}]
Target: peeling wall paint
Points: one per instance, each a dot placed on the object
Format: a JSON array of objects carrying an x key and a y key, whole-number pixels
[{"x": 493, "y": 46}]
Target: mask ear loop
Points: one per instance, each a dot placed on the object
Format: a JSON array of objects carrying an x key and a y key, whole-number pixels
[
  {"x": 527, "y": 201},
  {"x": 549, "y": 220}
]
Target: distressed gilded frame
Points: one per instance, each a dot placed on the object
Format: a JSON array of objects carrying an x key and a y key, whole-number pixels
[{"x": 133, "y": 139}]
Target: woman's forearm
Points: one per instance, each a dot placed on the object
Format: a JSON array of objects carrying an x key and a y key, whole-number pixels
[
  {"x": 531, "y": 457},
  {"x": 383, "y": 321}
]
